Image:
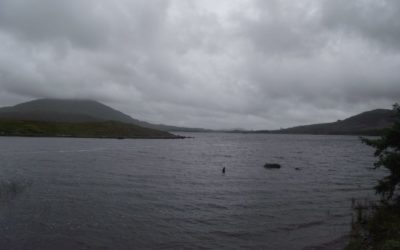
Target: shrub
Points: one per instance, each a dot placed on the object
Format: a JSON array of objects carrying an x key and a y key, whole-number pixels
[{"x": 387, "y": 149}]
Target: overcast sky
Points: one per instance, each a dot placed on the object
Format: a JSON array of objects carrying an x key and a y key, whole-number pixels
[{"x": 255, "y": 64}]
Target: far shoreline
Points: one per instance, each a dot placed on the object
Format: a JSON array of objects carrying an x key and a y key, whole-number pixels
[{"x": 175, "y": 137}]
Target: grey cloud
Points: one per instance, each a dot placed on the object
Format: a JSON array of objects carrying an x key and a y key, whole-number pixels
[
  {"x": 284, "y": 28},
  {"x": 375, "y": 21},
  {"x": 239, "y": 64},
  {"x": 75, "y": 21},
  {"x": 90, "y": 24}
]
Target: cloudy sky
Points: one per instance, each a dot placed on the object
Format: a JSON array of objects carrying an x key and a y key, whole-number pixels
[{"x": 255, "y": 64}]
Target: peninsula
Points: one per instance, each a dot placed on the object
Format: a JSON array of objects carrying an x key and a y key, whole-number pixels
[{"x": 72, "y": 118}]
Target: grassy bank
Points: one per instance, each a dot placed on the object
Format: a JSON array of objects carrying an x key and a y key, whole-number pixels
[{"x": 376, "y": 227}]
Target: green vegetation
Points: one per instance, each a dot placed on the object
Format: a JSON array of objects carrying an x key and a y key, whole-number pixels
[
  {"x": 387, "y": 149},
  {"x": 107, "y": 129},
  {"x": 378, "y": 226}
]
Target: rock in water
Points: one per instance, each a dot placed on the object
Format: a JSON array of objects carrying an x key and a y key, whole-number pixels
[{"x": 272, "y": 165}]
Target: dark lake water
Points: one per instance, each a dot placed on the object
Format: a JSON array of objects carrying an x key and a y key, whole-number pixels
[{"x": 171, "y": 194}]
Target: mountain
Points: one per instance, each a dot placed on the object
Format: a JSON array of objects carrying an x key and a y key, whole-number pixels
[
  {"x": 72, "y": 118},
  {"x": 65, "y": 111},
  {"x": 70, "y": 110},
  {"x": 367, "y": 123}
]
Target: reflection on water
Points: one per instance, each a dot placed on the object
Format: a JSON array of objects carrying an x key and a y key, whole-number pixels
[{"x": 124, "y": 194}]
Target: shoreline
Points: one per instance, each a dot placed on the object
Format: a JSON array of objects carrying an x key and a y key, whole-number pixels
[{"x": 100, "y": 137}]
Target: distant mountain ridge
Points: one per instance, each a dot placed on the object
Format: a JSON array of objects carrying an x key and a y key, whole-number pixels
[
  {"x": 367, "y": 123},
  {"x": 88, "y": 111},
  {"x": 76, "y": 110}
]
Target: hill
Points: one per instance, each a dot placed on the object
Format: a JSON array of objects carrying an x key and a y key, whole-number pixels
[
  {"x": 72, "y": 118},
  {"x": 65, "y": 110},
  {"x": 71, "y": 110},
  {"x": 367, "y": 123},
  {"x": 108, "y": 129}
]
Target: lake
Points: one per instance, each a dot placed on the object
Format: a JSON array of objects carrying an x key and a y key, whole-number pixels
[{"x": 171, "y": 194}]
